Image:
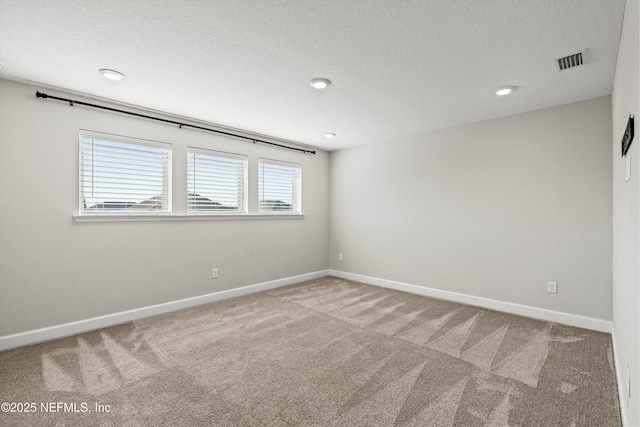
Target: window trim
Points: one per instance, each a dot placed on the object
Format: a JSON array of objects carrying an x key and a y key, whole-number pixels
[{"x": 181, "y": 217}]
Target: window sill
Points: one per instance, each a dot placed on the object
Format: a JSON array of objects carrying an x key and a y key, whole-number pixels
[{"x": 179, "y": 217}]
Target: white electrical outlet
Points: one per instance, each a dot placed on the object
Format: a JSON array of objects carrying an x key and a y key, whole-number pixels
[
  {"x": 552, "y": 287},
  {"x": 214, "y": 273},
  {"x": 340, "y": 257},
  {"x": 628, "y": 168}
]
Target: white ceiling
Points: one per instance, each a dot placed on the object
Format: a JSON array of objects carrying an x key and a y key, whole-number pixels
[{"x": 398, "y": 67}]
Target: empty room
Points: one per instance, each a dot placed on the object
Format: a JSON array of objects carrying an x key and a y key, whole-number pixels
[{"x": 319, "y": 213}]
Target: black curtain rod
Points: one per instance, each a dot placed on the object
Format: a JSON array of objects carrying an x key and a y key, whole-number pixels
[{"x": 73, "y": 102}]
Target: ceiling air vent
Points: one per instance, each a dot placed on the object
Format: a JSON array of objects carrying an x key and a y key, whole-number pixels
[{"x": 571, "y": 61}]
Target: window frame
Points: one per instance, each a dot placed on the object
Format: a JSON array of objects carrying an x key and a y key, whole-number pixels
[
  {"x": 245, "y": 181},
  {"x": 297, "y": 197},
  {"x": 166, "y": 181}
]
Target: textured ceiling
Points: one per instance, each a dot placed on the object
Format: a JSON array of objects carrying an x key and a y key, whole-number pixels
[{"x": 398, "y": 67}]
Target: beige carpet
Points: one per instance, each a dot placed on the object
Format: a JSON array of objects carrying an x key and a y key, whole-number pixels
[{"x": 328, "y": 352}]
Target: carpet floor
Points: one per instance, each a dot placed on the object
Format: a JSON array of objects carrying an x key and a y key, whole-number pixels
[{"x": 327, "y": 352}]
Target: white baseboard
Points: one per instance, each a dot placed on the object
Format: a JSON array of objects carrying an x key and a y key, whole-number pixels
[
  {"x": 507, "y": 307},
  {"x": 52, "y": 332},
  {"x": 620, "y": 369}
]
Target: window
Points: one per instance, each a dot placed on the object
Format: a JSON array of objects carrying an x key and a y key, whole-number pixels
[
  {"x": 279, "y": 187},
  {"x": 216, "y": 182},
  {"x": 120, "y": 175},
  {"x": 129, "y": 179}
]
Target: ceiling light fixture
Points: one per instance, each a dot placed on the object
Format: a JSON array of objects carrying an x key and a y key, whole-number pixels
[
  {"x": 505, "y": 90},
  {"x": 329, "y": 135},
  {"x": 320, "y": 83},
  {"x": 111, "y": 74}
]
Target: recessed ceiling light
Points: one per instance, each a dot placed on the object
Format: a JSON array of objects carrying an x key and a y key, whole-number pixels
[
  {"x": 505, "y": 90},
  {"x": 320, "y": 83},
  {"x": 329, "y": 135},
  {"x": 111, "y": 74}
]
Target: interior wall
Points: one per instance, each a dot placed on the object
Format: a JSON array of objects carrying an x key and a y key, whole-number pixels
[
  {"x": 626, "y": 215},
  {"x": 54, "y": 270},
  {"x": 494, "y": 209}
]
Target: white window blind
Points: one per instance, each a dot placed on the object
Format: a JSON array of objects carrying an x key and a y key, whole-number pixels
[
  {"x": 216, "y": 182},
  {"x": 120, "y": 175},
  {"x": 279, "y": 187}
]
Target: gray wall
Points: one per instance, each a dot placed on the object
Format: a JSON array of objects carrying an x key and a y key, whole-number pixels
[
  {"x": 626, "y": 213},
  {"x": 54, "y": 270},
  {"x": 493, "y": 209}
]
